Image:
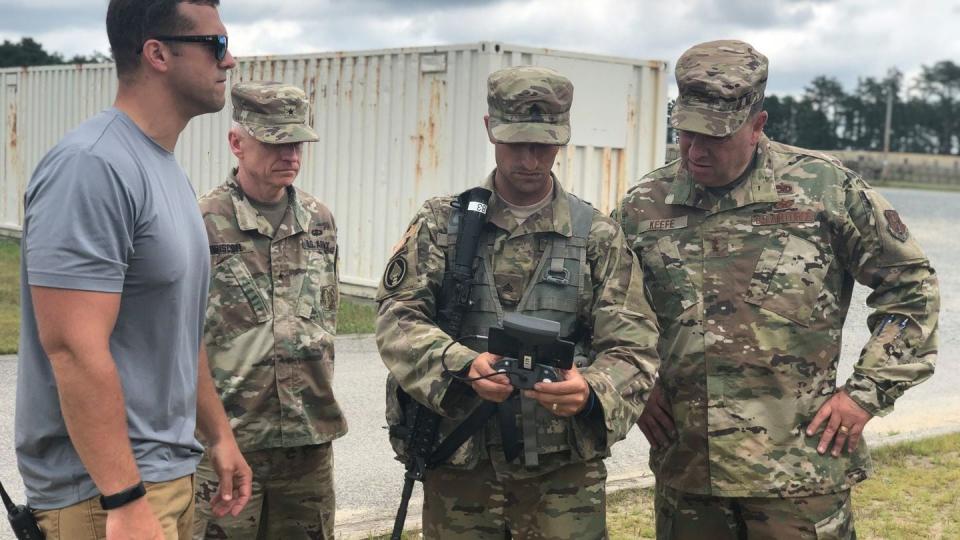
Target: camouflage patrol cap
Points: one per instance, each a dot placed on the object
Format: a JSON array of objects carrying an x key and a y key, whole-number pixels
[
  {"x": 275, "y": 113},
  {"x": 718, "y": 82},
  {"x": 529, "y": 104}
]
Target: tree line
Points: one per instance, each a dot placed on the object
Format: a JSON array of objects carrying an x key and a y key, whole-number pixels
[
  {"x": 925, "y": 119},
  {"x": 925, "y": 113},
  {"x": 31, "y": 53}
]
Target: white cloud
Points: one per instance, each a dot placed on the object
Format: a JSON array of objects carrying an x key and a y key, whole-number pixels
[
  {"x": 267, "y": 37},
  {"x": 845, "y": 39}
]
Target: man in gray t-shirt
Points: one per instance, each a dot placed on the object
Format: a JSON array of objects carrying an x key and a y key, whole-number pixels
[
  {"x": 110, "y": 210},
  {"x": 113, "y": 379}
]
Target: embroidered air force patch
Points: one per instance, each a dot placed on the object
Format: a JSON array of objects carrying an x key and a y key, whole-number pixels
[
  {"x": 896, "y": 226},
  {"x": 396, "y": 271}
]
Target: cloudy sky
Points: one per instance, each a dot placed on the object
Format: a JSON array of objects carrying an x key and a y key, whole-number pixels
[{"x": 845, "y": 39}]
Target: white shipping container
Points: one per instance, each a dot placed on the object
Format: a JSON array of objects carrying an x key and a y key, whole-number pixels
[{"x": 396, "y": 126}]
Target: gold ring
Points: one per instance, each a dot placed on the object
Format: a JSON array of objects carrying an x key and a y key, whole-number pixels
[
  {"x": 554, "y": 407},
  {"x": 844, "y": 430}
]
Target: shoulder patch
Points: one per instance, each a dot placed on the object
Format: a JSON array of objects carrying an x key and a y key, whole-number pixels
[
  {"x": 896, "y": 225},
  {"x": 412, "y": 232},
  {"x": 395, "y": 272}
]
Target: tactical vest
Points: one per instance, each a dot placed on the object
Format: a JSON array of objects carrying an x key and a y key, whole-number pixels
[{"x": 554, "y": 293}]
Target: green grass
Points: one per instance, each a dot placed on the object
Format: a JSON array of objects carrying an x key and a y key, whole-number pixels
[
  {"x": 9, "y": 296},
  {"x": 913, "y": 492},
  {"x": 355, "y": 317},
  {"x": 630, "y": 514}
]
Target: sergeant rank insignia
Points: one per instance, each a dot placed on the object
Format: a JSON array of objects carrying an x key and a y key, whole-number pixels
[{"x": 396, "y": 271}]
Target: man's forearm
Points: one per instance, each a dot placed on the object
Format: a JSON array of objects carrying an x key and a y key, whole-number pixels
[
  {"x": 211, "y": 418},
  {"x": 91, "y": 399}
]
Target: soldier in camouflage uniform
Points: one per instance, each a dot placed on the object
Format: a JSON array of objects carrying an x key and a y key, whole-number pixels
[
  {"x": 750, "y": 249},
  {"x": 271, "y": 318},
  {"x": 543, "y": 253}
]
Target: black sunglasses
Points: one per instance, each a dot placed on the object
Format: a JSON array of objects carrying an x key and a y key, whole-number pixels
[{"x": 217, "y": 41}]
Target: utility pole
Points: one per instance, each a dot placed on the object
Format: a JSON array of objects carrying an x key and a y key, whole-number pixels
[{"x": 887, "y": 125}]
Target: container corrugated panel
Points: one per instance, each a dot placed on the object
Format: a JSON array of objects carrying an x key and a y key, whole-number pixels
[{"x": 396, "y": 127}]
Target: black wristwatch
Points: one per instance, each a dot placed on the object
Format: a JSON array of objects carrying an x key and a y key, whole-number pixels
[{"x": 109, "y": 502}]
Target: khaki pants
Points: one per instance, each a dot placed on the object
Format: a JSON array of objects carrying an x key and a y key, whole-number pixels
[{"x": 171, "y": 501}]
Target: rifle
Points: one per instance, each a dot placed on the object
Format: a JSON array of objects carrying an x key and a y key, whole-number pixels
[{"x": 422, "y": 423}]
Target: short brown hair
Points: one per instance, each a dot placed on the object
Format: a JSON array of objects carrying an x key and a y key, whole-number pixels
[{"x": 131, "y": 22}]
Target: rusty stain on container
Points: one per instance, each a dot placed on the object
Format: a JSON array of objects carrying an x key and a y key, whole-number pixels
[
  {"x": 621, "y": 176},
  {"x": 437, "y": 93},
  {"x": 310, "y": 87},
  {"x": 428, "y": 151},
  {"x": 418, "y": 166},
  {"x": 12, "y": 121},
  {"x": 339, "y": 89},
  {"x": 13, "y": 153},
  {"x": 605, "y": 179},
  {"x": 631, "y": 114}
]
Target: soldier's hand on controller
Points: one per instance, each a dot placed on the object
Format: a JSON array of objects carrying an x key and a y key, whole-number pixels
[
  {"x": 562, "y": 398},
  {"x": 497, "y": 388}
]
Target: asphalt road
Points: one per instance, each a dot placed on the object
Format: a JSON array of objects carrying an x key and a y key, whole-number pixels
[{"x": 368, "y": 479}]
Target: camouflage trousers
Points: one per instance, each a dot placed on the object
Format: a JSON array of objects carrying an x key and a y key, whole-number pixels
[
  {"x": 567, "y": 503},
  {"x": 683, "y": 516},
  {"x": 292, "y": 497}
]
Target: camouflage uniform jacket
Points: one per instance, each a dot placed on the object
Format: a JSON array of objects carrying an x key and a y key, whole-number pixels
[
  {"x": 751, "y": 290},
  {"x": 617, "y": 331},
  {"x": 271, "y": 318}
]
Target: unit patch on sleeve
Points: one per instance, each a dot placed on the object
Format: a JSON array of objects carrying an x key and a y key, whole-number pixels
[
  {"x": 896, "y": 226},
  {"x": 395, "y": 272}
]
